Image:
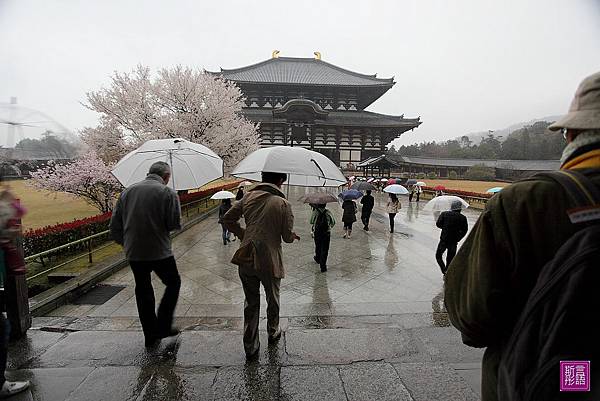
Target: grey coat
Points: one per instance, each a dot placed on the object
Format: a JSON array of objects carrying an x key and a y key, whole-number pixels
[{"x": 143, "y": 218}]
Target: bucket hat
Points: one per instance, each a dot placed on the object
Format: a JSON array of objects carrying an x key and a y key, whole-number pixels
[{"x": 584, "y": 112}]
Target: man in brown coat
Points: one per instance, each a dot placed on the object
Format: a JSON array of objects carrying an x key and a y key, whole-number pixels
[
  {"x": 269, "y": 219},
  {"x": 520, "y": 230}
]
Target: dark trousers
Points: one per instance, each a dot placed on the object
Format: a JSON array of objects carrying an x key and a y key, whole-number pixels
[
  {"x": 365, "y": 217},
  {"x": 410, "y": 196},
  {"x": 418, "y": 196},
  {"x": 153, "y": 324},
  {"x": 4, "y": 334},
  {"x": 348, "y": 226},
  {"x": 225, "y": 235},
  {"x": 392, "y": 215},
  {"x": 443, "y": 246},
  {"x": 322, "y": 249},
  {"x": 251, "y": 280}
]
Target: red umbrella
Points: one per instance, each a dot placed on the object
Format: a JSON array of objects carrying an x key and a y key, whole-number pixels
[
  {"x": 392, "y": 181},
  {"x": 439, "y": 188}
]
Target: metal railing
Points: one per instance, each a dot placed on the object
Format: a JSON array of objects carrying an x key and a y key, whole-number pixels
[{"x": 39, "y": 257}]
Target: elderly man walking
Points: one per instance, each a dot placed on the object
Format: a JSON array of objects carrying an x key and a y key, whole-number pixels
[
  {"x": 269, "y": 219},
  {"x": 142, "y": 221},
  {"x": 512, "y": 247}
]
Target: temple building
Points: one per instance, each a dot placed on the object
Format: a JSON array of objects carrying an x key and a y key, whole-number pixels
[{"x": 314, "y": 104}]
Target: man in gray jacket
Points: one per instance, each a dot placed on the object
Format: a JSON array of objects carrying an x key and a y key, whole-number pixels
[{"x": 142, "y": 220}]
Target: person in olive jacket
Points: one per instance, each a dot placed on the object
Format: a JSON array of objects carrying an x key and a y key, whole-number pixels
[{"x": 493, "y": 274}]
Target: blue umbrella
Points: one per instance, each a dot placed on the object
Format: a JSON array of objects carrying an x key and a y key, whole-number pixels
[
  {"x": 494, "y": 190},
  {"x": 351, "y": 194}
]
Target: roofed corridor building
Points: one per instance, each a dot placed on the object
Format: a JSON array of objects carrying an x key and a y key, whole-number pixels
[
  {"x": 387, "y": 165},
  {"x": 314, "y": 104}
]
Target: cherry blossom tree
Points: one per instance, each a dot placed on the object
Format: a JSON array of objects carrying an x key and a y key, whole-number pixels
[
  {"x": 87, "y": 177},
  {"x": 178, "y": 102}
]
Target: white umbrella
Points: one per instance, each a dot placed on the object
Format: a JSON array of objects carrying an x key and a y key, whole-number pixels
[
  {"x": 303, "y": 167},
  {"x": 223, "y": 195},
  {"x": 444, "y": 202},
  {"x": 421, "y": 184},
  {"x": 192, "y": 165},
  {"x": 384, "y": 180},
  {"x": 244, "y": 184},
  {"x": 395, "y": 189}
]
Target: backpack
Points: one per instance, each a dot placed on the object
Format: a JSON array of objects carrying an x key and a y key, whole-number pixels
[
  {"x": 321, "y": 223},
  {"x": 560, "y": 320}
]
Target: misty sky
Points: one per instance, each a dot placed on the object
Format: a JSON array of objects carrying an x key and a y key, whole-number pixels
[{"x": 463, "y": 66}]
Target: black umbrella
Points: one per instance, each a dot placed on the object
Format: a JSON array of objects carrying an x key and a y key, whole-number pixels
[
  {"x": 318, "y": 198},
  {"x": 363, "y": 186},
  {"x": 412, "y": 181}
]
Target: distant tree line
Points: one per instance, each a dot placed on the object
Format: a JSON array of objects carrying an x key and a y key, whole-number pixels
[
  {"x": 49, "y": 145},
  {"x": 532, "y": 142}
]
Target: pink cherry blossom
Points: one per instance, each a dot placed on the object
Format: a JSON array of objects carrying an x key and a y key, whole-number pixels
[{"x": 87, "y": 177}]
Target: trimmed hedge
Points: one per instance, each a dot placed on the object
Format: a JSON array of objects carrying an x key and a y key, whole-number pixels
[{"x": 42, "y": 239}]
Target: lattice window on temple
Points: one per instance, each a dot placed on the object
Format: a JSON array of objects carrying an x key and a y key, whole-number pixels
[
  {"x": 277, "y": 134},
  {"x": 329, "y": 137},
  {"x": 357, "y": 138},
  {"x": 254, "y": 102},
  {"x": 319, "y": 136}
]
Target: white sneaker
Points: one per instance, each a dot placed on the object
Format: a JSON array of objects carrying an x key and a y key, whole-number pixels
[{"x": 10, "y": 388}]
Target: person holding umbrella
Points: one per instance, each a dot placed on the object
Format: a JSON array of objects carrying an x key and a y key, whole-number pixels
[
  {"x": 411, "y": 184},
  {"x": 323, "y": 221},
  {"x": 142, "y": 220},
  {"x": 418, "y": 190},
  {"x": 349, "y": 216},
  {"x": 269, "y": 220},
  {"x": 368, "y": 202},
  {"x": 393, "y": 207},
  {"x": 350, "y": 209},
  {"x": 225, "y": 197},
  {"x": 454, "y": 227},
  {"x": 224, "y": 208}
]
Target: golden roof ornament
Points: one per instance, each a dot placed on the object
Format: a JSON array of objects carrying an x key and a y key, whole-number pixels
[
  {"x": 275, "y": 54},
  {"x": 317, "y": 55}
]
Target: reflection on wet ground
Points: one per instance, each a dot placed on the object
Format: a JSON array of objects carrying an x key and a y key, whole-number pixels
[
  {"x": 374, "y": 272},
  {"x": 372, "y": 327}
]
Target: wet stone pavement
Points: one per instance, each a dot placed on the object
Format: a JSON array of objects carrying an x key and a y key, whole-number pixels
[{"x": 372, "y": 328}]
